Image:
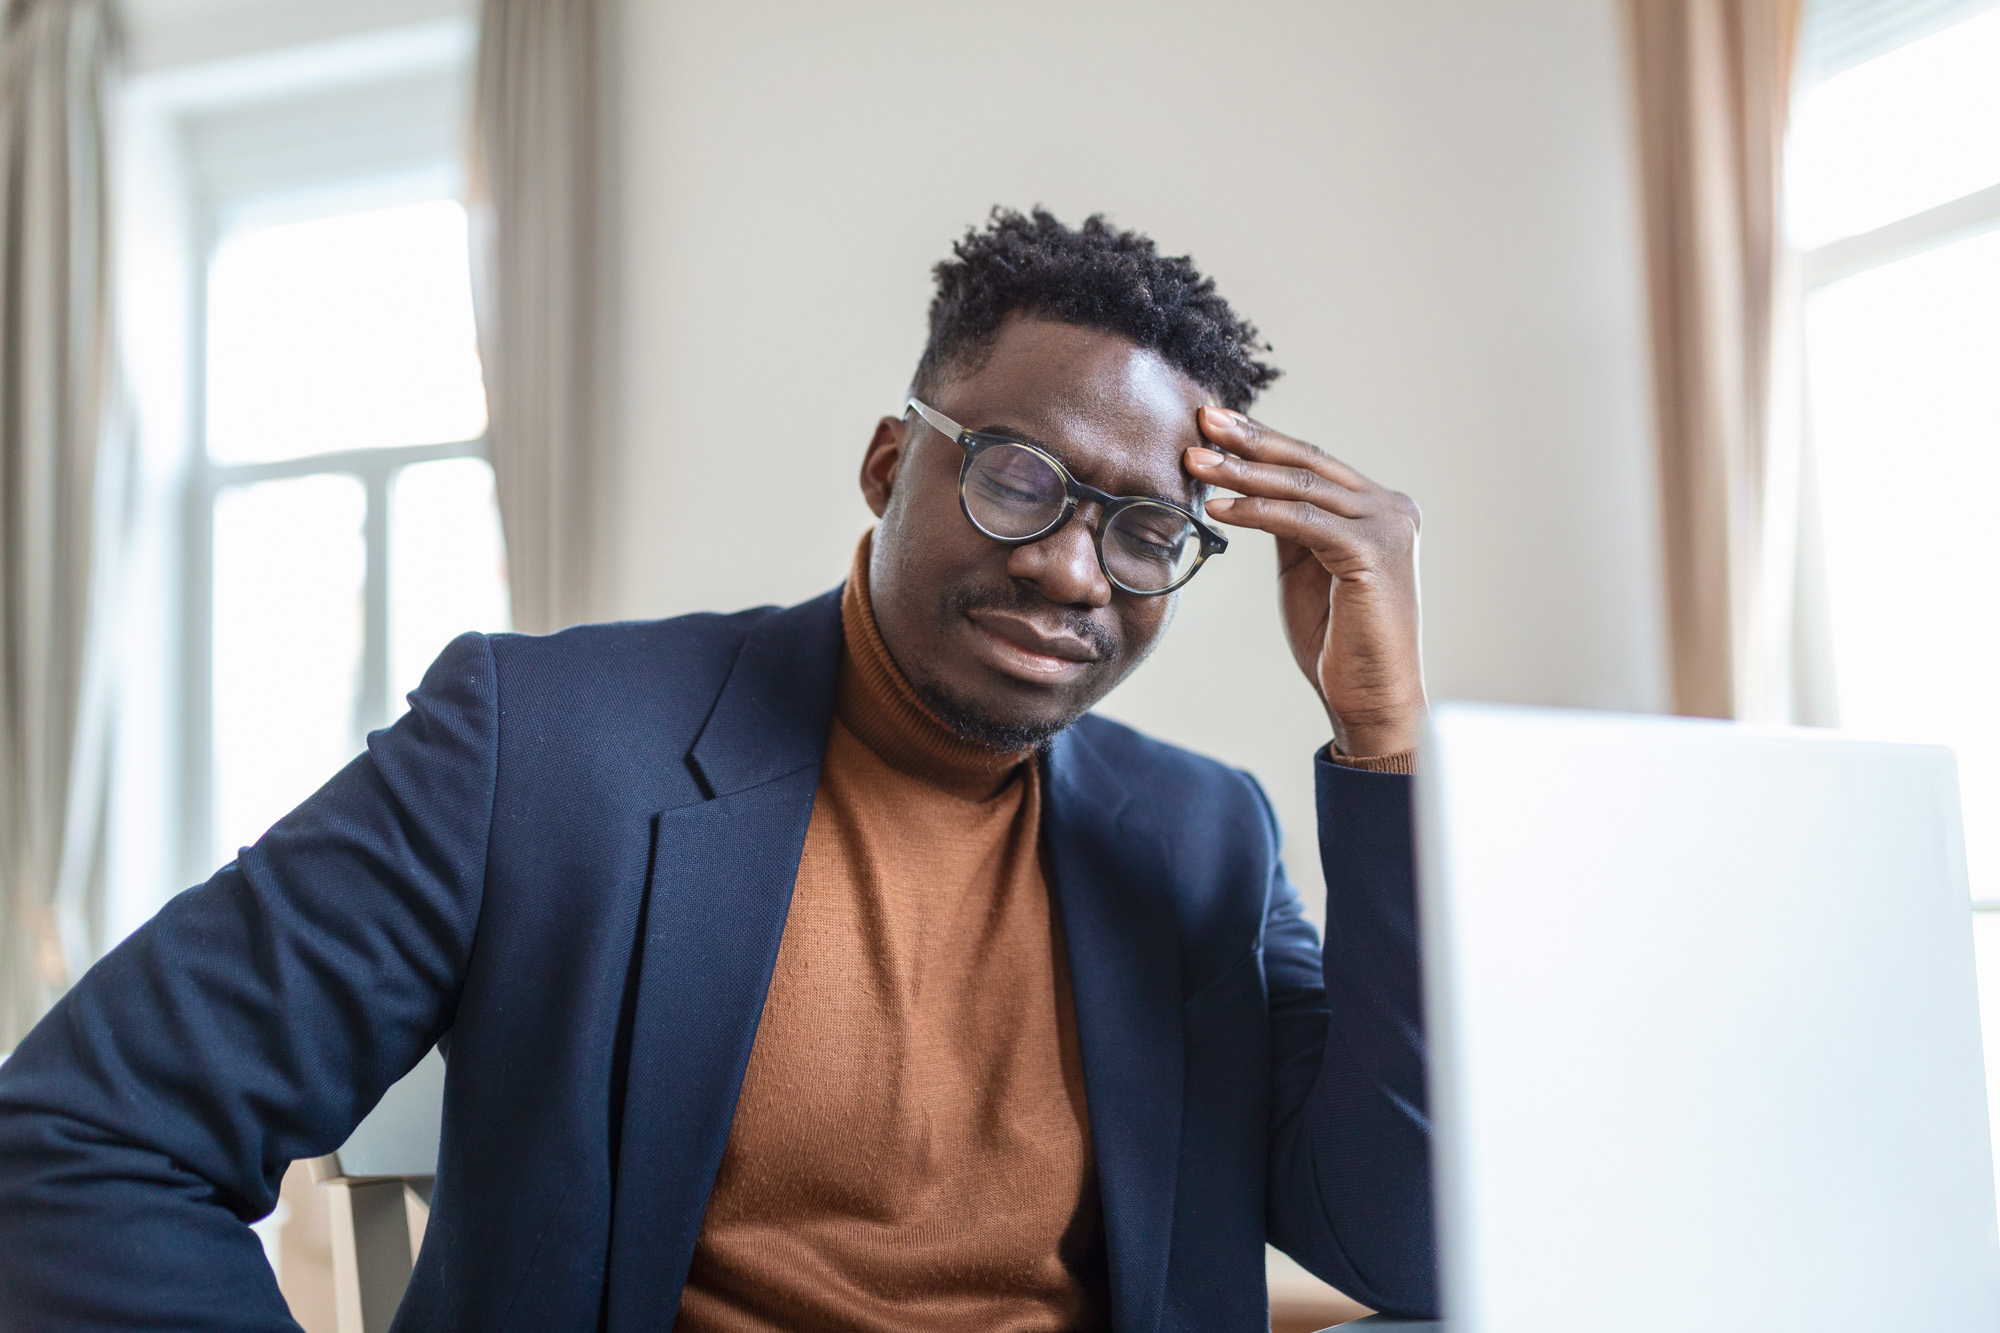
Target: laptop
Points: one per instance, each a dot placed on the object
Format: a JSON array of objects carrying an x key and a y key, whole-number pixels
[{"x": 1704, "y": 1030}]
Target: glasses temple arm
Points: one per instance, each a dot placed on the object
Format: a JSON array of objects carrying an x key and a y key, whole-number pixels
[{"x": 937, "y": 420}]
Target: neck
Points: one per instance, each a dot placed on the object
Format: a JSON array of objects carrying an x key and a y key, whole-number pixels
[{"x": 877, "y": 703}]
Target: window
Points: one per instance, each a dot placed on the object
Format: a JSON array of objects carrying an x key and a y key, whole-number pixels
[
  {"x": 342, "y": 518},
  {"x": 1893, "y": 197},
  {"x": 353, "y": 522}
]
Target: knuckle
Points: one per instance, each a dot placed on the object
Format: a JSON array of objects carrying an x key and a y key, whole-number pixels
[{"x": 1278, "y": 513}]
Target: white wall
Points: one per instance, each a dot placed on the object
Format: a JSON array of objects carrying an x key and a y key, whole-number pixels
[{"x": 1428, "y": 208}]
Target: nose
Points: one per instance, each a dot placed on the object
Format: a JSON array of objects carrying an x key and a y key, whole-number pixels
[{"x": 1063, "y": 565}]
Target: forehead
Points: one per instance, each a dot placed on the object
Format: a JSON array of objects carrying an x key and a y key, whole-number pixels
[{"x": 1117, "y": 414}]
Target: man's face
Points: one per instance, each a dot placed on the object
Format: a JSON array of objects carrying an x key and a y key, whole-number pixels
[{"x": 1012, "y": 644}]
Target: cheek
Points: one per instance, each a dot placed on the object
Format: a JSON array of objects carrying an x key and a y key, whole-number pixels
[
  {"x": 1143, "y": 621},
  {"x": 912, "y": 516},
  {"x": 922, "y": 553},
  {"x": 923, "y": 507}
]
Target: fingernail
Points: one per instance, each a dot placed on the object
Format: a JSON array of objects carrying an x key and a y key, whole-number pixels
[
  {"x": 1204, "y": 457},
  {"x": 1218, "y": 507},
  {"x": 1222, "y": 418}
]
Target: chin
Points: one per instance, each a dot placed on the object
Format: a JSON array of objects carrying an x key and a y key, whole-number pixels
[{"x": 991, "y": 725}]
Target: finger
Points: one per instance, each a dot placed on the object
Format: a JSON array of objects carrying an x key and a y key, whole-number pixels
[
  {"x": 1252, "y": 439},
  {"x": 1292, "y": 520},
  {"x": 1276, "y": 482}
]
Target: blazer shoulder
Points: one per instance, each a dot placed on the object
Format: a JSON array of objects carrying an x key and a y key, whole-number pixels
[
  {"x": 1197, "y": 832},
  {"x": 631, "y": 647},
  {"x": 612, "y": 703},
  {"x": 1163, "y": 774}
]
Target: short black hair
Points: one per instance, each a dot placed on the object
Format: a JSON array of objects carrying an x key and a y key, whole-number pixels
[{"x": 1096, "y": 276}]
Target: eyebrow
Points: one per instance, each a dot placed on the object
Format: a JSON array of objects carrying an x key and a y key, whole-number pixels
[{"x": 1190, "y": 501}]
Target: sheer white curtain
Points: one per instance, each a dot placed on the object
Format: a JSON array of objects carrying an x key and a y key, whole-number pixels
[
  {"x": 535, "y": 215},
  {"x": 56, "y": 59}
]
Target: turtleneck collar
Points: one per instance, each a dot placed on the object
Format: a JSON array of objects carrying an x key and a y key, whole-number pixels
[{"x": 876, "y": 703}]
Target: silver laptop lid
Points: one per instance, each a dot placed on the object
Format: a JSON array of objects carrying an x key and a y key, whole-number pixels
[{"x": 1704, "y": 1029}]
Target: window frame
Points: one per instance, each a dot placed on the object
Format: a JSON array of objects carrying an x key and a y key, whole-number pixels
[{"x": 1954, "y": 220}]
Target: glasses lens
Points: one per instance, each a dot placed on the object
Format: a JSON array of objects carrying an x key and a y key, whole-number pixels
[
  {"x": 1012, "y": 492},
  {"x": 1150, "y": 548}
]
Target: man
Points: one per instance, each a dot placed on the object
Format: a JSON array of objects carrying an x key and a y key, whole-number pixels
[{"x": 826, "y": 967}]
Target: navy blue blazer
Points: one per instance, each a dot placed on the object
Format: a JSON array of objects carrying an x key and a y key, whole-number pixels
[{"x": 574, "y": 856}]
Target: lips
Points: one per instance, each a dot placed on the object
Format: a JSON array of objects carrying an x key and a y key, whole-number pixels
[
  {"x": 1028, "y": 637},
  {"x": 1021, "y": 649}
]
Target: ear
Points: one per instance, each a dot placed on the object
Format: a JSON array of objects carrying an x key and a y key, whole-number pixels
[{"x": 882, "y": 461}]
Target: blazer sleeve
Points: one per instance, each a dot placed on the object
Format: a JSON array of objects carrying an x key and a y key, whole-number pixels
[
  {"x": 1349, "y": 1190},
  {"x": 255, "y": 1020}
]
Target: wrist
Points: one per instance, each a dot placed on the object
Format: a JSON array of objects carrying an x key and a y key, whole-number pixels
[{"x": 1370, "y": 737}]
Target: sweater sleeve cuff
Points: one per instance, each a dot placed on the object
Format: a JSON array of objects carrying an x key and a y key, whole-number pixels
[{"x": 1403, "y": 762}]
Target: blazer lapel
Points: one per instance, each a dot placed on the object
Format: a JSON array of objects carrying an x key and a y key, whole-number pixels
[
  {"x": 1119, "y": 923},
  {"x": 720, "y": 886}
]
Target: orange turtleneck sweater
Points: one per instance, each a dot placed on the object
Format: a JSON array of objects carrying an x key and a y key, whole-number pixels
[{"x": 911, "y": 1148}]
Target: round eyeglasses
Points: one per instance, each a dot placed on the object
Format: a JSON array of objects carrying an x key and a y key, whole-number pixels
[{"x": 1017, "y": 494}]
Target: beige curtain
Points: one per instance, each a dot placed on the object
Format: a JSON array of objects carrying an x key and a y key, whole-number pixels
[
  {"x": 1713, "y": 81},
  {"x": 55, "y": 354},
  {"x": 534, "y": 197}
]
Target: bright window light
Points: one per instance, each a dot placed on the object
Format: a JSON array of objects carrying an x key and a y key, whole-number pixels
[
  {"x": 447, "y": 566},
  {"x": 289, "y": 566},
  {"x": 353, "y": 336},
  {"x": 1905, "y": 401},
  {"x": 1899, "y": 134},
  {"x": 349, "y": 332}
]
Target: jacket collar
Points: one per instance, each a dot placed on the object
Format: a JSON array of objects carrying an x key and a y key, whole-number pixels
[
  {"x": 772, "y": 716},
  {"x": 717, "y": 894}
]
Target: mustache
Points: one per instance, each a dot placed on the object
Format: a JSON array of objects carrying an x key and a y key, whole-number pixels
[{"x": 1016, "y": 597}]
